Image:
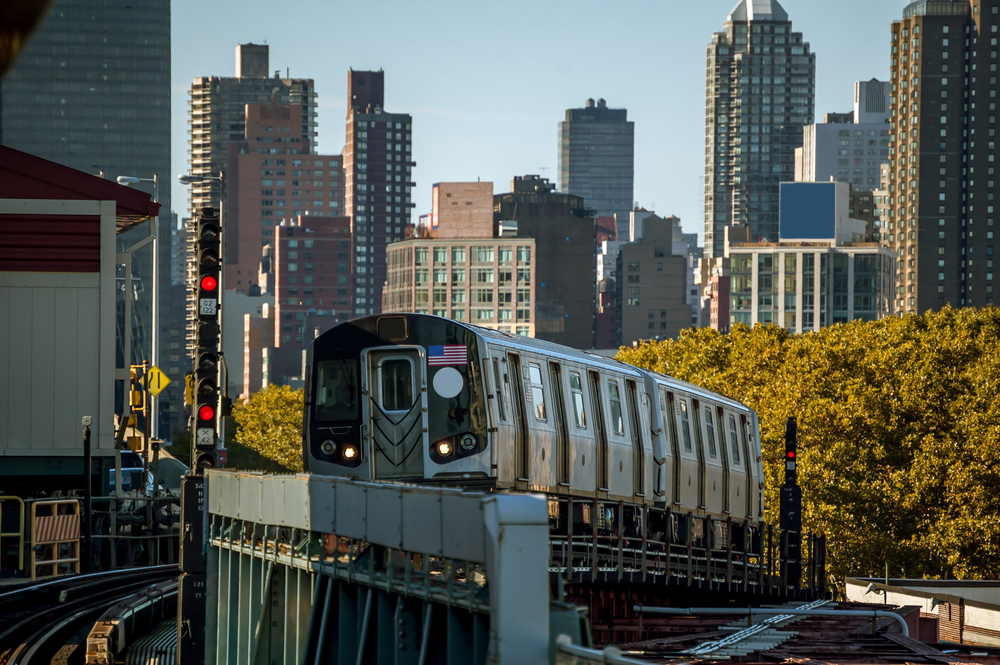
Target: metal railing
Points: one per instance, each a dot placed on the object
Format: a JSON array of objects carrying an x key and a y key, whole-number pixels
[
  {"x": 19, "y": 534},
  {"x": 309, "y": 568},
  {"x": 614, "y": 541},
  {"x": 129, "y": 530},
  {"x": 55, "y": 537}
]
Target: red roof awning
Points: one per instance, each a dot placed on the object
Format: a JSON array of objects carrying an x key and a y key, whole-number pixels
[{"x": 24, "y": 176}]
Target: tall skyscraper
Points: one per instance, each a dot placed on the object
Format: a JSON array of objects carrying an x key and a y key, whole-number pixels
[
  {"x": 760, "y": 83},
  {"x": 92, "y": 91},
  {"x": 597, "y": 158},
  {"x": 217, "y": 116},
  {"x": 938, "y": 208},
  {"x": 377, "y": 165},
  {"x": 217, "y": 113},
  {"x": 273, "y": 176}
]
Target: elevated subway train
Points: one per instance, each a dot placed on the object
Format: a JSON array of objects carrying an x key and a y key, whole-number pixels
[{"x": 425, "y": 399}]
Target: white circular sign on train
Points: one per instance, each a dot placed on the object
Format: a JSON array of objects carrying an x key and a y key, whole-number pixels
[{"x": 448, "y": 382}]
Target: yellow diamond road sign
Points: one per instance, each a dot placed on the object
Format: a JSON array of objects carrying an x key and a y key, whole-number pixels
[{"x": 157, "y": 380}]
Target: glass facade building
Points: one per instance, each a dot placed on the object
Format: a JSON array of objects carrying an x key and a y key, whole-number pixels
[{"x": 597, "y": 158}]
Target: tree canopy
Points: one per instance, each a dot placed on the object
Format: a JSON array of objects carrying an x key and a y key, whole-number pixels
[
  {"x": 270, "y": 425},
  {"x": 898, "y": 431}
]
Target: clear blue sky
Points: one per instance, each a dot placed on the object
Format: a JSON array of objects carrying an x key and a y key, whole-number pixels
[{"x": 487, "y": 83}]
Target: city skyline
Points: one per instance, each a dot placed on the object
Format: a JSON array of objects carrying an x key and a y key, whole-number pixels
[{"x": 663, "y": 91}]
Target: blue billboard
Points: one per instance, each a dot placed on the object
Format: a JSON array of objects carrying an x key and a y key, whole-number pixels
[{"x": 808, "y": 211}]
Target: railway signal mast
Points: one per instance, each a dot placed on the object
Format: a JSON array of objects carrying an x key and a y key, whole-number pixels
[
  {"x": 207, "y": 411},
  {"x": 790, "y": 518}
]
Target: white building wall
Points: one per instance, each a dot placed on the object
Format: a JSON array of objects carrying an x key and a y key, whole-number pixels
[{"x": 57, "y": 346}]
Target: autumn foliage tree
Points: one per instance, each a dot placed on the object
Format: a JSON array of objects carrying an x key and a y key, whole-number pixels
[
  {"x": 899, "y": 431},
  {"x": 270, "y": 424}
]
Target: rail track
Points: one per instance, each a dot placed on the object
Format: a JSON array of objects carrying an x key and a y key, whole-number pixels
[{"x": 50, "y": 622}]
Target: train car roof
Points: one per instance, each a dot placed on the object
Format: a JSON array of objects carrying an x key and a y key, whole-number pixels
[
  {"x": 569, "y": 353},
  {"x": 594, "y": 359}
]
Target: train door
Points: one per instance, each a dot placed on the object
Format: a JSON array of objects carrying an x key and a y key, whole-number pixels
[
  {"x": 562, "y": 432},
  {"x": 670, "y": 424},
  {"x": 748, "y": 446},
  {"x": 714, "y": 467},
  {"x": 690, "y": 467},
  {"x": 396, "y": 410},
  {"x": 724, "y": 452},
  {"x": 502, "y": 448},
  {"x": 600, "y": 430},
  {"x": 740, "y": 470},
  {"x": 521, "y": 438},
  {"x": 699, "y": 447},
  {"x": 638, "y": 467}
]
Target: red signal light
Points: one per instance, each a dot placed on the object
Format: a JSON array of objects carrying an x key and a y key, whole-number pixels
[
  {"x": 790, "y": 454},
  {"x": 209, "y": 283},
  {"x": 206, "y": 412}
]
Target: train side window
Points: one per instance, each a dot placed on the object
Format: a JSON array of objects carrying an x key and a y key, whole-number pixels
[
  {"x": 617, "y": 422},
  {"x": 710, "y": 428},
  {"x": 497, "y": 391},
  {"x": 336, "y": 391},
  {"x": 537, "y": 392},
  {"x": 685, "y": 424},
  {"x": 734, "y": 438},
  {"x": 669, "y": 421},
  {"x": 576, "y": 387}
]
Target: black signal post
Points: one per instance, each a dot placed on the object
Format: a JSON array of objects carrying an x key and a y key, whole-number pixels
[
  {"x": 205, "y": 428},
  {"x": 791, "y": 509}
]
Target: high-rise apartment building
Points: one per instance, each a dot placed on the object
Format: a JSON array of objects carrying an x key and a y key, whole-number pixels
[
  {"x": 938, "y": 206},
  {"x": 91, "y": 90},
  {"x": 652, "y": 283},
  {"x": 760, "y": 85},
  {"x": 217, "y": 113},
  {"x": 312, "y": 268},
  {"x": 597, "y": 158},
  {"x": 377, "y": 167},
  {"x": 848, "y": 147},
  {"x": 273, "y": 176},
  {"x": 565, "y": 270}
]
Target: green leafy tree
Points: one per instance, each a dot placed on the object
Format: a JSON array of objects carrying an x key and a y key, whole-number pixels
[
  {"x": 269, "y": 428},
  {"x": 899, "y": 441}
]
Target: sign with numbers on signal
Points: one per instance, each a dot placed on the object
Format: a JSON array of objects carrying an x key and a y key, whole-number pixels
[
  {"x": 206, "y": 437},
  {"x": 207, "y": 306}
]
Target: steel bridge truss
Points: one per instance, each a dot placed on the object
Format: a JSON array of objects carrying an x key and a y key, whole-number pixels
[
  {"x": 309, "y": 569},
  {"x": 610, "y": 541}
]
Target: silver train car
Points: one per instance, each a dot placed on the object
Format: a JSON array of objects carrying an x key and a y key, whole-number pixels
[{"x": 425, "y": 399}]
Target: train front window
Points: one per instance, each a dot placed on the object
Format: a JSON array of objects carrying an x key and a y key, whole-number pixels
[
  {"x": 336, "y": 391},
  {"x": 396, "y": 379}
]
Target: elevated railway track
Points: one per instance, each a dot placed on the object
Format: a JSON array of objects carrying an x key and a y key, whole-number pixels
[{"x": 51, "y": 622}]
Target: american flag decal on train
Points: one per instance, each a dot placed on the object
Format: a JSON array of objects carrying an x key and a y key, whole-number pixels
[{"x": 453, "y": 354}]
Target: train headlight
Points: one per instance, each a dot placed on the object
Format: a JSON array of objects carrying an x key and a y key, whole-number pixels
[
  {"x": 328, "y": 447},
  {"x": 468, "y": 442},
  {"x": 444, "y": 448},
  {"x": 349, "y": 452}
]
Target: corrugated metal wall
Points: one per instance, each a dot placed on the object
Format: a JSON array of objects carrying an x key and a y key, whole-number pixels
[{"x": 56, "y": 243}]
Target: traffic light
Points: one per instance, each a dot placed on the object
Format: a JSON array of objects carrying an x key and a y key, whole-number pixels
[{"x": 207, "y": 247}]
